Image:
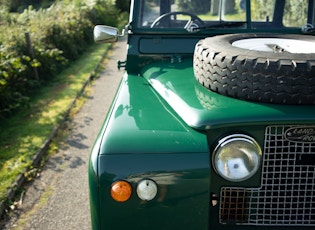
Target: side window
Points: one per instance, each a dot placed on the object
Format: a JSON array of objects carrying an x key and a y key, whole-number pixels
[{"x": 295, "y": 13}]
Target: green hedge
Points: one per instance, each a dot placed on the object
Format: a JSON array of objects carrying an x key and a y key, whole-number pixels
[
  {"x": 19, "y": 6},
  {"x": 58, "y": 35}
]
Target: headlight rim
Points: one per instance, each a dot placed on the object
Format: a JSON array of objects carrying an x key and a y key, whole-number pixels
[{"x": 236, "y": 137}]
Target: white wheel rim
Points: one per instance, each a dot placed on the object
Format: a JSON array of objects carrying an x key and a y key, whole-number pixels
[{"x": 276, "y": 45}]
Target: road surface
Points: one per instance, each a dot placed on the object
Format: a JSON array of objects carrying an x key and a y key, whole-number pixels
[{"x": 58, "y": 198}]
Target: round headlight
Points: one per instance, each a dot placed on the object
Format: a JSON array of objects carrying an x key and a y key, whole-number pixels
[{"x": 237, "y": 157}]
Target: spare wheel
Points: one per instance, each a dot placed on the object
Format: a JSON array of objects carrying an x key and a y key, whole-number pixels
[{"x": 268, "y": 68}]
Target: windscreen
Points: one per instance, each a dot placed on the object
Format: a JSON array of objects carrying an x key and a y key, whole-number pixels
[
  {"x": 176, "y": 13},
  {"x": 192, "y": 14}
]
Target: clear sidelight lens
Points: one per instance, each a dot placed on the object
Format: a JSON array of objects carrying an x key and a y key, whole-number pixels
[
  {"x": 147, "y": 189},
  {"x": 237, "y": 157}
]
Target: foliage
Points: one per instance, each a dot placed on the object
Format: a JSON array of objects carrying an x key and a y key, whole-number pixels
[
  {"x": 123, "y": 5},
  {"x": 25, "y": 133},
  {"x": 262, "y": 9},
  {"x": 291, "y": 18},
  {"x": 12, "y": 69},
  {"x": 109, "y": 18},
  {"x": 58, "y": 35},
  {"x": 19, "y": 6}
]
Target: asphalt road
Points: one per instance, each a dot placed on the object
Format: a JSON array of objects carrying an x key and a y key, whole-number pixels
[{"x": 58, "y": 198}]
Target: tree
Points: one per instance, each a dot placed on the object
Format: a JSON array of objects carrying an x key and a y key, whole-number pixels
[{"x": 123, "y": 5}]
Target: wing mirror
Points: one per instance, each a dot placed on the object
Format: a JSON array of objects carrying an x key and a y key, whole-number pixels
[{"x": 106, "y": 34}]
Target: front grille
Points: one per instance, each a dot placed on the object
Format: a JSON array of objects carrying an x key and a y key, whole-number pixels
[{"x": 287, "y": 192}]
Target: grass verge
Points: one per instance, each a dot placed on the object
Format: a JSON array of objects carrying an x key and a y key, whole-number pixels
[{"x": 23, "y": 135}]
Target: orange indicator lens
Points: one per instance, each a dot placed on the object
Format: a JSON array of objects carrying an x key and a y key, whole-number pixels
[{"x": 121, "y": 191}]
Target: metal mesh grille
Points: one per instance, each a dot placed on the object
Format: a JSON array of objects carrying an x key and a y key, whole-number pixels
[{"x": 287, "y": 192}]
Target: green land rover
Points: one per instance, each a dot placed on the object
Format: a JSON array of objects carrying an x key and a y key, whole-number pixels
[{"x": 213, "y": 124}]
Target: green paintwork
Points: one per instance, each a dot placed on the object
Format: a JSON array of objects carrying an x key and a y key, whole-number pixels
[
  {"x": 202, "y": 109},
  {"x": 143, "y": 138},
  {"x": 163, "y": 125},
  {"x": 139, "y": 110},
  {"x": 182, "y": 201}
]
